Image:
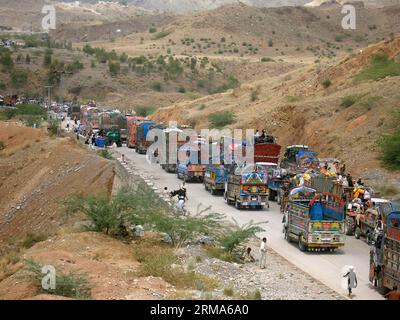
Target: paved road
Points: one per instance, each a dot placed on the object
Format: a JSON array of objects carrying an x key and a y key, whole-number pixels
[{"x": 325, "y": 267}]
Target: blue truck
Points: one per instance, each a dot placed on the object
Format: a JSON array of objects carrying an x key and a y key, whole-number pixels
[
  {"x": 142, "y": 130},
  {"x": 214, "y": 178}
]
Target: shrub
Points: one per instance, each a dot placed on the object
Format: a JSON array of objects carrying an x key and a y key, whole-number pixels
[
  {"x": 229, "y": 291},
  {"x": 104, "y": 153},
  {"x": 32, "y": 238},
  {"x": 327, "y": 83},
  {"x": 267, "y": 59},
  {"x": 221, "y": 119},
  {"x": 53, "y": 127},
  {"x": 19, "y": 78},
  {"x": 233, "y": 239},
  {"x": 156, "y": 86},
  {"x": 348, "y": 101},
  {"x": 390, "y": 146},
  {"x": 32, "y": 121},
  {"x": 6, "y": 60},
  {"x": 152, "y": 29},
  {"x": 144, "y": 111},
  {"x": 161, "y": 35},
  {"x": 114, "y": 68},
  {"x": 294, "y": 99},
  {"x": 379, "y": 67},
  {"x": 73, "y": 284},
  {"x": 2, "y": 145},
  {"x": 201, "y": 107},
  {"x": 254, "y": 94},
  {"x": 181, "y": 89}
]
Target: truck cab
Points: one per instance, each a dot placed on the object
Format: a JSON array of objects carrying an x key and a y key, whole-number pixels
[
  {"x": 214, "y": 178},
  {"x": 141, "y": 131},
  {"x": 193, "y": 166}
]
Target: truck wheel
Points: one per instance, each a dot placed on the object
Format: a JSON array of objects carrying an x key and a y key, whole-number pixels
[
  {"x": 349, "y": 226},
  {"x": 212, "y": 191},
  {"x": 238, "y": 205},
  {"x": 301, "y": 244},
  {"x": 357, "y": 233},
  {"x": 381, "y": 289},
  {"x": 271, "y": 196}
]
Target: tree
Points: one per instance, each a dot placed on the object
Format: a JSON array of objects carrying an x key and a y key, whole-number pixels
[
  {"x": 28, "y": 59},
  {"x": 6, "y": 60},
  {"x": 114, "y": 68}
]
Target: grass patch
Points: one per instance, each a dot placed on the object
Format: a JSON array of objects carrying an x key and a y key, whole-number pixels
[
  {"x": 159, "y": 260},
  {"x": 221, "y": 254},
  {"x": 294, "y": 99},
  {"x": 370, "y": 102},
  {"x": 32, "y": 238},
  {"x": 229, "y": 291},
  {"x": 221, "y": 119},
  {"x": 327, "y": 83},
  {"x": 252, "y": 295},
  {"x": 161, "y": 35},
  {"x": 193, "y": 95},
  {"x": 104, "y": 153},
  {"x": 390, "y": 146},
  {"x": 144, "y": 111},
  {"x": 267, "y": 59},
  {"x": 73, "y": 284},
  {"x": 348, "y": 101},
  {"x": 379, "y": 68}
]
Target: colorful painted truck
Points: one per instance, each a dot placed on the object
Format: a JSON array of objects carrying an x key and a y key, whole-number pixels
[
  {"x": 315, "y": 221},
  {"x": 246, "y": 188},
  {"x": 132, "y": 122},
  {"x": 141, "y": 131},
  {"x": 193, "y": 167},
  {"x": 385, "y": 255},
  {"x": 299, "y": 159},
  {"x": 267, "y": 150},
  {"x": 214, "y": 178},
  {"x": 275, "y": 178}
]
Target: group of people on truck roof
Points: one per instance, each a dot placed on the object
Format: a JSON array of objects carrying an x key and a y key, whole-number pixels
[{"x": 263, "y": 137}]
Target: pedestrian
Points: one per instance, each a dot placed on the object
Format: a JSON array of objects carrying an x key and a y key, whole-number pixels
[
  {"x": 247, "y": 256},
  {"x": 350, "y": 180},
  {"x": 351, "y": 280},
  {"x": 343, "y": 169},
  {"x": 93, "y": 141},
  {"x": 68, "y": 126},
  {"x": 123, "y": 158},
  {"x": 393, "y": 295},
  {"x": 263, "y": 253}
]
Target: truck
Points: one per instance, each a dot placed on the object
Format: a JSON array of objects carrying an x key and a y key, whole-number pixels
[
  {"x": 315, "y": 220},
  {"x": 75, "y": 112},
  {"x": 384, "y": 271},
  {"x": 132, "y": 122},
  {"x": 299, "y": 159},
  {"x": 172, "y": 144},
  {"x": 193, "y": 167},
  {"x": 267, "y": 150},
  {"x": 275, "y": 178},
  {"x": 214, "y": 178},
  {"x": 245, "y": 187},
  {"x": 141, "y": 131}
]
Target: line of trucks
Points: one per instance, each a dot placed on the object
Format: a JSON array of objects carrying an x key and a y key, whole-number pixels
[{"x": 317, "y": 214}]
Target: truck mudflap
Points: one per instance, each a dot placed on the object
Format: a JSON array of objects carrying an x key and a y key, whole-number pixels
[
  {"x": 254, "y": 200},
  {"x": 325, "y": 240}
]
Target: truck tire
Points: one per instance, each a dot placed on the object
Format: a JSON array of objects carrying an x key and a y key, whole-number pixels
[
  {"x": 212, "y": 191},
  {"x": 229, "y": 202},
  {"x": 357, "y": 233},
  {"x": 349, "y": 226},
  {"x": 271, "y": 196},
  {"x": 301, "y": 244},
  {"x": 238, "y": 205}
]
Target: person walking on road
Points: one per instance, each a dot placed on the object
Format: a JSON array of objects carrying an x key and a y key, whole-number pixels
[
  {"x": 351, "y": 280},
  {"x": 263, "y": 253}
]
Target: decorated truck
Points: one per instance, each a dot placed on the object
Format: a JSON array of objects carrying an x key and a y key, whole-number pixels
[
  {"x": 132, "y": 122},
  {"x": 141, "y": 131},
  {"x": 193, "y": 166},
  {"x": 112, "y": 124},
  {"x": 267, "y": 150},
  {"x": 245, "y": 187},
  {"x": 276, "y": 176},
  {"x": 315, "y": 221},
  {"x": 214, "y": 178},
  {"x": 299, "y": 159},
  {"x": 385, "y": 255}
]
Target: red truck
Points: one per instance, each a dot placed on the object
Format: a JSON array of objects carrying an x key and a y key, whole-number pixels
[
  {"x": 266, "y": 150},
  {"x": 132, "y": 122}
]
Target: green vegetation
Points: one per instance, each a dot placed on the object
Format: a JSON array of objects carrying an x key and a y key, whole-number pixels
[
  {"x": 156, "y": 86},
  {"x": 2, "y": 145},
  {"x": 73, "y": 284},
  {"x": 294, "y": 98},
  {"x": 267, "y": 59},
  {"x": 221, "y": 119},
  {"x": 379, "y": 68},
  {"x": 252, "y": 295},
  {"x": 370, "y": 102},
  {"x": 32, "y": 238},
  {"x": 201, "y": 107},
  {"x": 390, "y": 146},
  {"x": 229, "y": 291},
  {"x": 6, "y": 59},
  {"x": 348, "y": 101},
  {"x": 254, "y": 94},
  {"x": 327, "y": 83},
  {"x": 104, "y": 153},
  {"x": 25, "y": 110},
  {"x": 144, "y": 111},
  {"x": 53, "y": 127},
  {"x": 153, "y": 29},
  {"x": 19, "y": 78},
  {"x": 161, "y": 35},
  {"x": 114, "y": 68}
]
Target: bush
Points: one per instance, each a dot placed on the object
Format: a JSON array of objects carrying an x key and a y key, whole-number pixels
[
  {"x": 104, "y": 153},
  {"x": 32, "y": 238},
  {"x": 221, "y": 119},
  {"x": 254, "y": 94},
  {"x": 294, "y": 98},
  {"x": 379, "y": 67},
  {"x": 114, "y": 68},
  {"x": 53, "y": 127},
  {"x": 327, "y": 83},
  {"x": 233, "y": 239},
  {"x": 161, "y": 35},
  {"x": 267, "y": 59},
  {"x": 348, "y": 101},
  {"x": 153, "y": 30},
  {"x": 73, "y": 285},
  {"x": 6, "y": 60},
  {"x": 181, "y": 89},
  {"x": 229, "y": 291},
  {"x": 2, "y": 145},
  {"x": 19, "y": 78},
  {"x": 144, "y": 111},
  {"x": 390, "y": 146},
  {"x": 156, "y": 86},
  {"x": 32, "y": 121}
]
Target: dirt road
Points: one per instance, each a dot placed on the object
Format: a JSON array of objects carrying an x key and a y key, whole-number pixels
[{"x": 326, "y": 267}]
